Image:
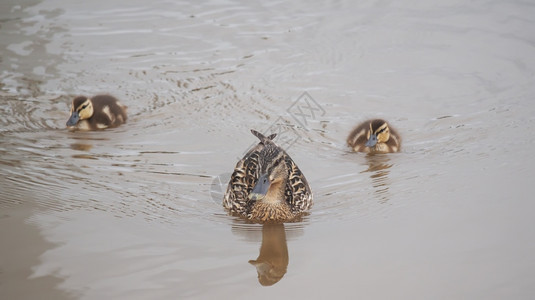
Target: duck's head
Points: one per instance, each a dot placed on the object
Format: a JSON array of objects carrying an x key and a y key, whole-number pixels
[
  {"x": 273, "y": 171},
  {"x": 81, "y": 109},
  {"x": 378, "y": 133}
]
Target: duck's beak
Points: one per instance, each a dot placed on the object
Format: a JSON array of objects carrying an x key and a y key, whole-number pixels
[
  {"x": 371, "y": 141},
  {"x": 261, "y": 188},
  {"x": 75, "y": 117}
]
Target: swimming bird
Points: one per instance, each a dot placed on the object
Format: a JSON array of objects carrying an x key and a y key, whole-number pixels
[
  {"x": 95, "y": 113},
  {"x": 266, "y": 185},
  {"x": 374, "y": 136}
]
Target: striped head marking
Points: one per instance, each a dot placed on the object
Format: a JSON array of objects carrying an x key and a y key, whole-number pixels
[
  {"x": 272, "y": 169},
  {"x": 378, "y": 133},
  {"x": 81, "y": 109}
]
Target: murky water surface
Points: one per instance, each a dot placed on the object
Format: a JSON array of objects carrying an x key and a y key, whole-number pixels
[{"x": 135, "y": 212}]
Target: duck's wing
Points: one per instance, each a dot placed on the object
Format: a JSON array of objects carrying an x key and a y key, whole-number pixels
[
  {"x": 108, "y": 112},
  {"x": 358, "y": 136},
  {"x": 394, "y": 143},
  {"x": 242, "y": 182},
  {"x": 298, "y": 193}
]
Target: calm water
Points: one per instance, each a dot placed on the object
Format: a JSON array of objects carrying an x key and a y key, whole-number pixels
[{"x": 135, "y": 212}]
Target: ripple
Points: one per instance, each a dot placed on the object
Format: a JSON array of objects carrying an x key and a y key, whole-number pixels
[{"x": 198, "y": 77}]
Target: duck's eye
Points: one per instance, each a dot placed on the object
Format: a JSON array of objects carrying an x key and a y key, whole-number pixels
[
  {"x": 380, "y": 131},
  {"x": 83, "y": 107}
]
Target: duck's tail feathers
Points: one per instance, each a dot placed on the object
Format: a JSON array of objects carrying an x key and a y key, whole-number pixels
[{"x": 263, "y": 139}]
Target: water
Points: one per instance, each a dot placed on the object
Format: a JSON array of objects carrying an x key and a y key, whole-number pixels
[{"x": 135, "y": 212}]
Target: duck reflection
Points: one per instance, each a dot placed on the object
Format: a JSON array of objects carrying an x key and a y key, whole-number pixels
[
  {"x": 84, "y": 144},
  {"x": 82, "y": 147},
  {"x": 272, "y": 261},
  {"x": 378, "y": 167}
]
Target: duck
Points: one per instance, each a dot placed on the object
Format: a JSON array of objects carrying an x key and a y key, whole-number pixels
[
  {"x": 98, "y": 112},
  {"x": 374, "y": 136},
  {"x": 267, "y": 186}
]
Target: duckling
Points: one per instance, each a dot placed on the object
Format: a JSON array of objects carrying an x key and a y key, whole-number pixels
[
  {"x": 374, "y": 136},
  {"x": 267, "y": 186},
  {"x": 95, "y": 113}
]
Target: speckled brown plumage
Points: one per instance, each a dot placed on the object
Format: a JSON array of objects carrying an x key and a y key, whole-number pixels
[{"x": 289, "y": 194}]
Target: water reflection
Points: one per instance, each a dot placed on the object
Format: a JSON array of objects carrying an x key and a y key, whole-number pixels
[
  {"x": 23, "y": 245},
  {"x": 32, "y": 53},
  {"x": 81, "y": 146},
  {"x": 378, "y": 167},
  {"x": 84, "y": 144},
  {"x": 272, "y": 262}
]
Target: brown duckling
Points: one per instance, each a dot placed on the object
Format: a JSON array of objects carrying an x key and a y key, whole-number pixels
[
  {"x": 267, "y": 186},
  {"x": 374, "y": 136},
  {"x": 95, "y": 113}
]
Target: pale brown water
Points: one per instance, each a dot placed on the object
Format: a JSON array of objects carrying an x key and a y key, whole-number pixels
[{"x": 135, "y": 212}]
